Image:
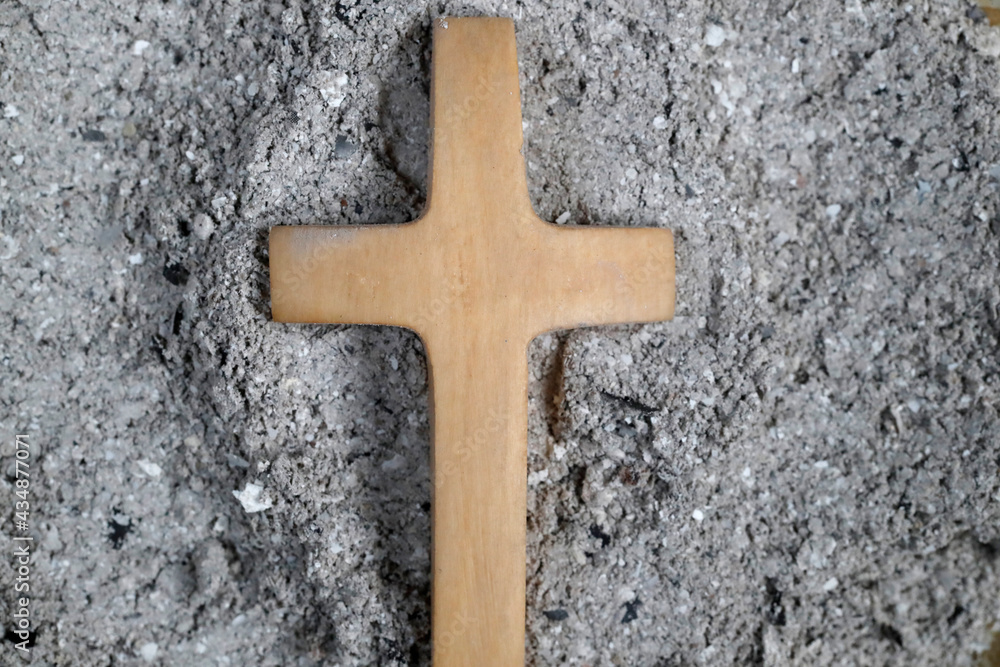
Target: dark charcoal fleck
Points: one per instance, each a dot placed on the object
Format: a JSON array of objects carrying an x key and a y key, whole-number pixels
[
  {"x": 176, "y": 274},
  {"x": 118, "y": 532},
  {"x": 890, "y": 633},
  {"x": 556, "y": 614},
  {"x": 774, "y": 611},
  {"x": 93, "y": 135},
  {"x": 178, "y": 319},
  {"x": 343, "y": 147},
  {"x": 631, "y": 610},
  {"x": 629, "y": 402},
  {"x": 595, "y": 531},
  {"x": 958, "y": 611},
  {"x": 976, "y": 13}
]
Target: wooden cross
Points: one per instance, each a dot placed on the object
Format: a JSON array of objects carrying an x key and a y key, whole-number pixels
[{"x": 478, "y": 276}]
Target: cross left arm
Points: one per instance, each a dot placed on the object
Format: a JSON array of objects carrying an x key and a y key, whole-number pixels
[{"x": 357, "y": 275}]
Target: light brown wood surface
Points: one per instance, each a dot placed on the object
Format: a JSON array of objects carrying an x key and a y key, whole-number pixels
[
  {"x": 992, "y": 10},
  {"x": 477, "y": 277}
]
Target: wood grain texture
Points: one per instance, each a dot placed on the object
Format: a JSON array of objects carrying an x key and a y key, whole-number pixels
[{"x": 477, "y": 277}]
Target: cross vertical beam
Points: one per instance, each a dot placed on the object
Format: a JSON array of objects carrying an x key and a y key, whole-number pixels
[
  {"x": 476, "y": 121},
  {"x": 477, "y": 277}
]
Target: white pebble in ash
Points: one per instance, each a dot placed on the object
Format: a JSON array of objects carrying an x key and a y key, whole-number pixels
[
  {"x": 698, "y": 516},
  {"x": 18, "y": 160},
  {"x": 150, "y": 469},
  {"x": 136, "y": 259},
  {"x": 832, "y": 211},
  {"x": 331, "y": 86},
  {"x": 251, "y": 500},
  {"x": 12, "y": 247},
  {"x": 397, "y": 462},
  {"x": 659, "y": 123},
  {"x": 149, "y": 651},
  {"x": 831, "y": 584},
  {"x": 10, "y": 111},
  {"x": 203, "y": 226},
  {"x": 139, "y": 46},
  {"x": 563, "y": 218},
  {"x": 715, "y": 35}
]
